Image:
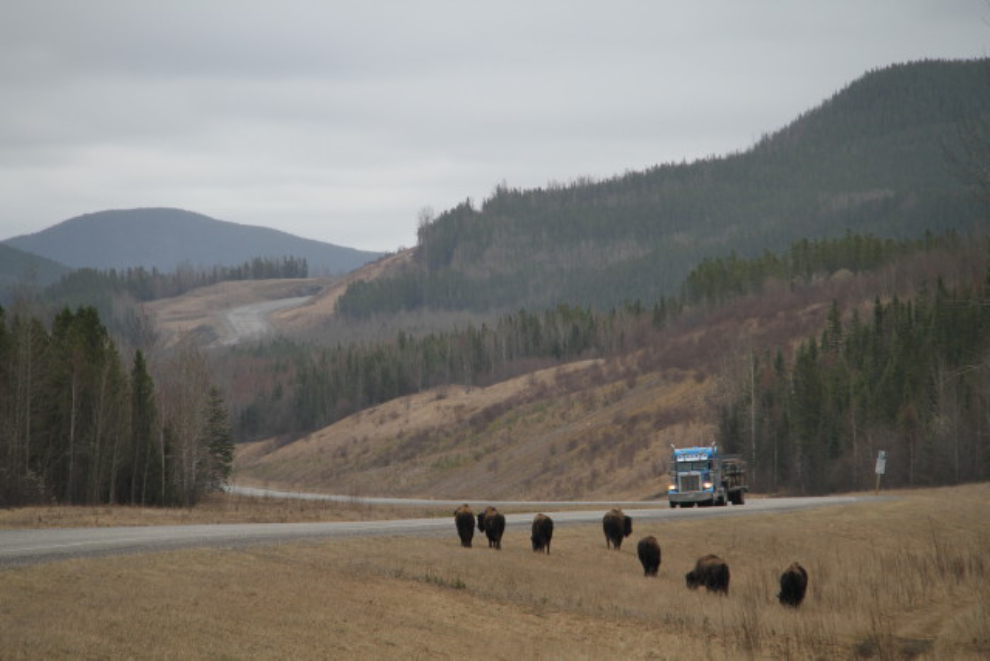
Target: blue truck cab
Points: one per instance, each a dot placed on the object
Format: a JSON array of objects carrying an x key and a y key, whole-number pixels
[{"x": 702, "y": 476}]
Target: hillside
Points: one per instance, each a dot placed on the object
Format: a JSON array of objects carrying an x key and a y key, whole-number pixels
[
  {"x": 18, "y": 266},
  {"x": 871, "y": 159},
  {"x": 199, "y": 313},
  {"x": 164, "y": 239},
  {"x": 597, "y": 428}
]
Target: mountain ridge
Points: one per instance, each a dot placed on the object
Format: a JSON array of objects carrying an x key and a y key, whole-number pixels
[
  {"x": 870, "y": 159},
  {"x": 17, "y": 266},
  {"x": 165, "y": 238}
]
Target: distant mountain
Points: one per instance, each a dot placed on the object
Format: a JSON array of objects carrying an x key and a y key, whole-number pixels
[
  {"x": 871, "y": 159},
  {"x": 17, "y": 266},
  {"x": 164, "y": 238}
]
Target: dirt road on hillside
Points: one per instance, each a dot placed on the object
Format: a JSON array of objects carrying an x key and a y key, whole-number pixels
[{"x": 250, "y": 322}]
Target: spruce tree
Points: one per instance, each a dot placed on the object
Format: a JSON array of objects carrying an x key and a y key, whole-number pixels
[{"x": 219, "y": 442}]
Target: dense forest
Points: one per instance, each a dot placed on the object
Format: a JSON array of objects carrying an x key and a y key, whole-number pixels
[
  {"x": 716, "y": 280},
  {"x": 144, "y": 285},
  {"x": 913, "y": 380},
  {"x": 872, "y": 159},
  {"x": 80, "y": 424}
]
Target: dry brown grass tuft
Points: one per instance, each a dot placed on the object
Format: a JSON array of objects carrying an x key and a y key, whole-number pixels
[{"x": 897, "y": 579}]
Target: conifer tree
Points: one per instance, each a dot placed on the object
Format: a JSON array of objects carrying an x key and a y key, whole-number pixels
[
  {"x": 219, "y": 441},
  {"x": 146, "y": 463}
]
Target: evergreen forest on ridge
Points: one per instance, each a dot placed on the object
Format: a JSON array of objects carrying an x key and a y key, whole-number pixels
[{"x": 871, "y": 159}]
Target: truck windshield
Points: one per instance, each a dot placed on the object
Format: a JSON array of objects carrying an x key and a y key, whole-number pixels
[{"x": 689, "y": 466}]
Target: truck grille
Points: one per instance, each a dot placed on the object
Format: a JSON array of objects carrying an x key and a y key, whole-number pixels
[{"x": 690, "y": 483}]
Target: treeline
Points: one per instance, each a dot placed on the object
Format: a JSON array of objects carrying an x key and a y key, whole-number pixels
[
  {"x": 719, "y": 279},
  {"x": 713, "y": 281},
  {"x": 114, "y": 292},
  {"x": 339, "y": 382},
  {"x": 873, "y": 158},
  {"x": 913, "y": 380},
  {"x": 145, "y": 285},
  {"x": 79, "y": 424}
]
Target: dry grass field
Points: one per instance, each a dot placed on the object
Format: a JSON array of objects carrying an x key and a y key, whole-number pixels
[
  {"x": 576, "y": 431},
  {"x": 898, "y": 579}
]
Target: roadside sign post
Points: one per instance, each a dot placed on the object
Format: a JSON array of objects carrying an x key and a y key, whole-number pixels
[{"x": 881, "y": 468}]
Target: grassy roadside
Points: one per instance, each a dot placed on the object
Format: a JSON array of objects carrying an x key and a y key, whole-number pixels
[
  {"x": 906, "y": 578},
  {"x": 215, "y": 508},
  {"x": 224, "y": 508}
]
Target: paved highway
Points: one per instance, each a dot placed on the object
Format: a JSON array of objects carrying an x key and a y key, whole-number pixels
[{"x": 35, "y": 546}]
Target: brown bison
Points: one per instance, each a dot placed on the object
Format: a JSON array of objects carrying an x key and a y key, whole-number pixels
[
  {"x": 649, "y": 554},
  {"x": 492, "y": 523},
  {"x": 793, "y": 585},
  {"x": 542, "y": 533},
  {"x": 711, "y": 572},
  {"x": 464, "y": 520},
  {"x": 616, "y": 526}
]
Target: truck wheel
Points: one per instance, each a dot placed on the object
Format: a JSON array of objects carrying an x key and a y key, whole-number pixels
[
  {"x": 673, "y": 505},
  {"x": 741, "y": 499}
]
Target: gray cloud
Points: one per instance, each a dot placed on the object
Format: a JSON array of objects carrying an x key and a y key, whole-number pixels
[{"x": 339, "y": 120}]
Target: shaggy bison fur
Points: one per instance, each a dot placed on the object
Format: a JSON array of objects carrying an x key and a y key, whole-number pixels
[
  {"x": 648, "y": 550},
  {"x": 616, "y": 526},
  {"x": 464, "y": 520},
  {"x": 711, "y": 572},
  {"x": 492, "y": 523},
  {"x": 793, "y": 585},
  {"x": 542, "y": 533}
]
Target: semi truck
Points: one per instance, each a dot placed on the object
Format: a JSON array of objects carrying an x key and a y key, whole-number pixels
[{"x": 703, "y": 476}]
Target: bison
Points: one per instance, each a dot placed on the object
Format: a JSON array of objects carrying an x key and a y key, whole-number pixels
[
  {"x": 542, "y": 533},
  {"x": 793, "y": 585},
  {"x": 464, "y": 520},
  {"x": 649, "y": 554},
  {"x": 616, "y": 526},
  {"x": 492, "y": 523},
  {"x": 711, "y": 572}
]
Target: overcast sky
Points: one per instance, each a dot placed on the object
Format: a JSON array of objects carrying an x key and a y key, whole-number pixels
[{"x": 340, "y": 121}]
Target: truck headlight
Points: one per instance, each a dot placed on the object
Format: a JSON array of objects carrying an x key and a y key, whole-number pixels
[
  {"x": 707, "y": 485},
  {"x": 672, "y": 487}
]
